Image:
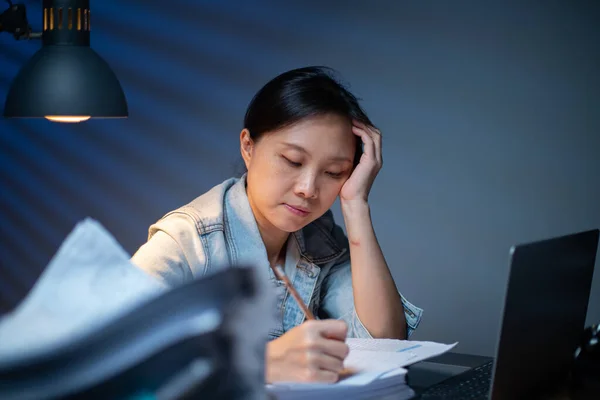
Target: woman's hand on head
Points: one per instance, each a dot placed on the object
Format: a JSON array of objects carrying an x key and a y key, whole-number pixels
[
  {"x": 311, "y": 352},
  {"x": 359, "y": 184}
]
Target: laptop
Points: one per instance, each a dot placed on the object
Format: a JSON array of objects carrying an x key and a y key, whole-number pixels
[{"x": 544, "y": 314}]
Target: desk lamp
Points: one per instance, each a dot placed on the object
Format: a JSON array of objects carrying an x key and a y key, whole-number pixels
[{"x": 64, "y": 81}]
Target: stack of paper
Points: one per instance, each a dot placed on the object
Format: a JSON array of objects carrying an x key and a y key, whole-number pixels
[
  {"x": 359, "y": 386},
  {"x": 88, "y": 283},
  {"x": 86, "y": 288},
  {"x": 377, "y": 371}
]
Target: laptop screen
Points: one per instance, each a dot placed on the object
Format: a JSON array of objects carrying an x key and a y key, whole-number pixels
[{"x": 544, "y": 314}]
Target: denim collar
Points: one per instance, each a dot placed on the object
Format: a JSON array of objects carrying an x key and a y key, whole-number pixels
[{"x": 315, "y": 241}]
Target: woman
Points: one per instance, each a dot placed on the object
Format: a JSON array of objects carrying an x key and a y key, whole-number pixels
[{"x": 302, "y": 145}]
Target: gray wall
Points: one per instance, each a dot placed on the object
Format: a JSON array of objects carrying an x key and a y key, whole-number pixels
[{"x": 489, "y": 115}]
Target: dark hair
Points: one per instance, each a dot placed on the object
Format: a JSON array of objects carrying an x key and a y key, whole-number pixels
[{"x": 300, "y": 93}]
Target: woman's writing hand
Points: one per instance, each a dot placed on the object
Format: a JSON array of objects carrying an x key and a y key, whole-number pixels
[{"x": 311, "y": 352}]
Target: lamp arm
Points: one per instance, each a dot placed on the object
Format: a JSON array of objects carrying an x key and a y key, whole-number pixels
[{"x": 14, "y": 20}]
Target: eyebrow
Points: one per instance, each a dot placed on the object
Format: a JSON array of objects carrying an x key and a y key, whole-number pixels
[{"x": 303, "y": 150}]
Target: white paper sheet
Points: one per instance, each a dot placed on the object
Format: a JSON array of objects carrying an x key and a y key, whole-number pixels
[{"x": 387, "y": 354}]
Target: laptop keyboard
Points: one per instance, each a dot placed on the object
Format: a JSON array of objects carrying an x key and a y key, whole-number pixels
[{"x": 472, "y": 384}]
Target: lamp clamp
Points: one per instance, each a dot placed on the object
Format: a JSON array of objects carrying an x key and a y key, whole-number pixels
[{"x": 14, "y": 20}]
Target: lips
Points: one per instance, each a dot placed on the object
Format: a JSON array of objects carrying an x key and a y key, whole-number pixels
[{"x": 298, "y": 210}]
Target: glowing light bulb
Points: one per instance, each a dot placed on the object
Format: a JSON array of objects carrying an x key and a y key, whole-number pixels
[{"x": 67, "y": 118}]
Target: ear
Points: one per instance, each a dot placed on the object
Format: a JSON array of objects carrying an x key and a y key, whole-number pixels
[{"x": 246, "y": 147}]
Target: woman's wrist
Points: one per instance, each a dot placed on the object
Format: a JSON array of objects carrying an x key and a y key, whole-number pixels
[
  {"x": 352, "y": 208},
  {"x": 357, "y": 217},
  {"x": 357, "y": 214}
]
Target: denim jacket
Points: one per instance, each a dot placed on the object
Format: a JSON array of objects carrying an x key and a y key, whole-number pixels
[{"x": 217, "y": 230}]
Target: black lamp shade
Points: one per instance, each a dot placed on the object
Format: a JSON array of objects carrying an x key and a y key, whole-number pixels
[{"x": 66, "y": 80}]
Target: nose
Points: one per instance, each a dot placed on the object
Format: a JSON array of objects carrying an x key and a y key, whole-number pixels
[{"x": 306, "y": 185}]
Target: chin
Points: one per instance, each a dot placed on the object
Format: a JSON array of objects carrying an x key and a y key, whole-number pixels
[
  {"x": 282, "y": 220},
  {"x": 290, "y": 227}
]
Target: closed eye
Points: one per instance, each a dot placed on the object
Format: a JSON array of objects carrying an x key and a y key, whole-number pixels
[
  {"x": 336, "y": 175},
  {"x": 292, "y": 163}
]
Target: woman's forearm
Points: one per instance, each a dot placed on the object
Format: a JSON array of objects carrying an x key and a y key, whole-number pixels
[{"x": 376, "y": 298}]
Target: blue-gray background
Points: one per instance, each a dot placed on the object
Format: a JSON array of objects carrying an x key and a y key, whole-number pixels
[{"x": 490, "y": 116}]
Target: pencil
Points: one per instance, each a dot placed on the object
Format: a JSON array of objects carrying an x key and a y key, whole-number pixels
[{"x": 279, "y": 274}]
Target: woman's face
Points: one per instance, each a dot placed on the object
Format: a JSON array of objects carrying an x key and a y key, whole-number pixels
[{"x": 296, "y": 173}]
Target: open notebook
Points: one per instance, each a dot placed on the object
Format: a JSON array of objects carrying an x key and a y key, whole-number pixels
[{"x": 376, "y": 367}]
